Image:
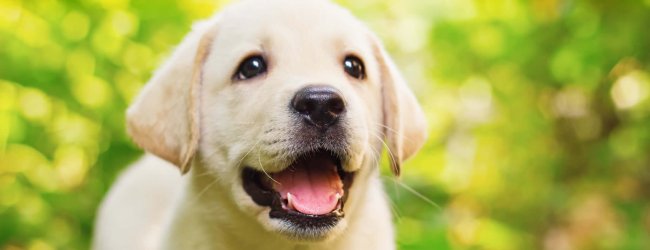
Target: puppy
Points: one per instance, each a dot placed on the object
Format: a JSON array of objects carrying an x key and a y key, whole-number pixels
[{"x": 276, "y": 112}]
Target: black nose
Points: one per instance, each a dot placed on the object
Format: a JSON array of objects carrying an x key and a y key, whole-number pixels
[{"x": 320, "y": 105}]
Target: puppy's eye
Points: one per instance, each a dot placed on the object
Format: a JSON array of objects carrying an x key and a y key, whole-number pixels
[
  {"x": 354, "y": 67},
  {"x": 251, "y": 67}
]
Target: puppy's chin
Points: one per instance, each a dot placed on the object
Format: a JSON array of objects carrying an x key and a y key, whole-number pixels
[{"x": 299, "y": 233}]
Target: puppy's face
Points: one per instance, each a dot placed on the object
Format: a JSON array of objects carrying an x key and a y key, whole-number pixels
[
  {"x": 295, "y": 114},
  {"x": 286, "y": 107}
]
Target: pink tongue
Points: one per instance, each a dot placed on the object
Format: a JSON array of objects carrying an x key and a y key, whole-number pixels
[{"x": 313, "y": 184}]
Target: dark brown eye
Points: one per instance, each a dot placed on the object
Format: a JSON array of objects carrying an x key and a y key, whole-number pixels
[
  {"x": 251, "y": 67},
  {"x": 354, "y": 67}
]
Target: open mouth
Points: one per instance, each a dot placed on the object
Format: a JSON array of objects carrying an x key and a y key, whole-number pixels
[{"x": 310, "y": 193}]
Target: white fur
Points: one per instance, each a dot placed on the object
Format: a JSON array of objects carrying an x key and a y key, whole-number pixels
[{"x": 247, "y": 124}]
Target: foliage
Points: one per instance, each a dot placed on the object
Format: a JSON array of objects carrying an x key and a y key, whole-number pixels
[{"x": 538, "y": 112}]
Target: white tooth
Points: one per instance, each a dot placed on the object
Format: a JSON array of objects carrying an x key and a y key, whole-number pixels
[
  {"x": 339, "y": 202},
  {"x": 290, "y": 201}
]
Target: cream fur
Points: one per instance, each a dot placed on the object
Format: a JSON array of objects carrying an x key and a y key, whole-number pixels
[{"x": 192, "y": 114}]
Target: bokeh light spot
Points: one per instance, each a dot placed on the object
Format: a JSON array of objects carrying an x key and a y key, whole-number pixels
[
  {"x": 32, "y": 29},
  {"x": 80, "y": 62},
  {"x": 475, "y": 97},
  {"x": 459, "y": 165},
  {"x": 92, "y": 91},
  {"x": 629, "y": 90},
  {"x": 106, "y": 41},
  {"x": 34, "y": 105},
  {"x": 487, "y": 41},
  {"x": 33, "y": 210},
  {"x": 463, "y": 223},
  {"x": 571, "y": 102},
  {"x": 411, "y": 38},
  {"x": 137, "y": 58},
  {"x": 128, "y": 85},
  {"x": 69, "y": 128},
  {"x": 71, "y": 165},
  {"x": 124, "y": 23},
  {"x": 75, "y": 25},
  {"x": 566, "y": 65}
]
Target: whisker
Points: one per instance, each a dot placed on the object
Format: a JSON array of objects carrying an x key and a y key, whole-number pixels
[
  {"x": 248, "y": 152},
  {"x": 263, "y": 170},
  {"x": 416, "y": 193},
  {"x": 392, "y": 156},
  {"x": 376, "y": 156},
  {"x": 204, "y": 190},
  {"x": 397, "y": 183},
  {"x": 394, "y": 131},
  {"x": 396, "y": 212},
  {"x": 202, "y": 174},
  {"x": 386, "y": 127}
]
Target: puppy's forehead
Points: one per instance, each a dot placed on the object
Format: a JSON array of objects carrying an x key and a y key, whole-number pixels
[
  {"x": 302, "y": 39},
  {"x": 295, "y": 20}
]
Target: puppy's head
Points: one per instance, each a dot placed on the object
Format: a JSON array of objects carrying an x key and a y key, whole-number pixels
[{"x": 287, "y": 104}]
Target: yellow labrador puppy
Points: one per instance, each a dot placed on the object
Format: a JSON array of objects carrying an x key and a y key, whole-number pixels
[{"x": 276, "y": 111}]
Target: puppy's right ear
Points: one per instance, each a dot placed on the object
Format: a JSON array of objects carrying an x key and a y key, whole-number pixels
[{"x": 164, "y": 118}]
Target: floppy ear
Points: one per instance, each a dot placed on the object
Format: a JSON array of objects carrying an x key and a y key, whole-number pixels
[
  {"x": 164, "y": 118},
  {"x": 404, "y": 122}
]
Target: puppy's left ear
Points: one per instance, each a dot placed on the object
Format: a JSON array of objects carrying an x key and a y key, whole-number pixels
[{"x": 404, "y": 122}]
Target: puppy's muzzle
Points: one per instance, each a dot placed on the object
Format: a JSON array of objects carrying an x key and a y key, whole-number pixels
[{"x": 319, "y": 105}]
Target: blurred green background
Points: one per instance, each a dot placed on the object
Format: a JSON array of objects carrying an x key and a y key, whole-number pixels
[{"x": 539, "y": 116}]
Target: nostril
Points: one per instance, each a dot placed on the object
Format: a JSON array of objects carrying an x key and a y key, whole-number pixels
[
  {"x": 336, "y": 105},
  {"x": 320, "y": 105},
  {"x": 302, "y": 105}
]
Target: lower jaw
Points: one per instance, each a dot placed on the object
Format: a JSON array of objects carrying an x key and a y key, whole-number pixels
[
  {"x": 307, "y": 222},
  {"x": 325, "y": 230}
]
